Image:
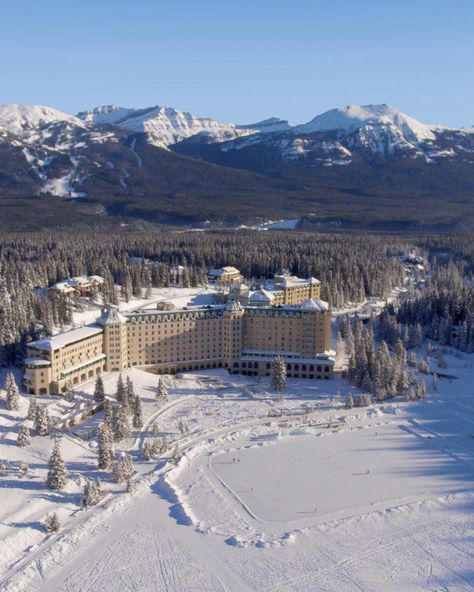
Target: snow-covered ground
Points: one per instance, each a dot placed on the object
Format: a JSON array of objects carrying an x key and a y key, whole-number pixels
[
  {"x": 319, "y": 498},
  {"x": 179, "y": 296}
]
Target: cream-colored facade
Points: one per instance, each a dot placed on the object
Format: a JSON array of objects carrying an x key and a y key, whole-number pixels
[
  {"x": 283, "y": 289},
  {"x": 74, "y": 357},
  {"x": 243, "y": 339}
]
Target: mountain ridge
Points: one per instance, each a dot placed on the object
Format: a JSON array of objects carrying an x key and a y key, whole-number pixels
[{"x": 359, "y": 165}]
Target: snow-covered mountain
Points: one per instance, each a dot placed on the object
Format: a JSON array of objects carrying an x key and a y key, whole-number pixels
[
  {"x": 55, "y": 146},
  {"x": 352, "y": 117},
  {"x": 164, "y": 126},
  {"x": 336, "y": 137},
  {"x": 268, "y": 126},
  {"x": 23, "y": 120},
  {"x": 113, "y": 157}
]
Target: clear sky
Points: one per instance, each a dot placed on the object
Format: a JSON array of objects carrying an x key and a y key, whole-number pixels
[{"x": 242, "y": 60}]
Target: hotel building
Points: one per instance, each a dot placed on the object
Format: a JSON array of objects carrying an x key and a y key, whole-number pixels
[{"x": 243, "y": 335}]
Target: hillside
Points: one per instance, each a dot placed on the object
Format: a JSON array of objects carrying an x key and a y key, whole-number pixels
[{"x": 372, "y": 167}]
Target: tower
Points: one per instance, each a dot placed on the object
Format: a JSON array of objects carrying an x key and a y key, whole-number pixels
[
  {"x": 232, "y": 334},
  {"x": 115, "y": 338}
]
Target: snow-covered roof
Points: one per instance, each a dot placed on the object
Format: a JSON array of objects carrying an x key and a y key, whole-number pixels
[
  {"x": 79, "y": 280},
  {"x": 37, "y": 362},
  {"x": 316, "y": 305},
  {"x": 82, "y": 280},
  {"x": 223, "y": 270},
  {"x": 64, "y": 287},
  {"x": 233, "y": 305},
  {"x": 62, "y": 339},
  {"x": 111, "y": 315},
  {"x": 261, "y": 296}
]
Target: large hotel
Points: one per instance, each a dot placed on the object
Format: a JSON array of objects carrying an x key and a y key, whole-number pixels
[{"x": 243, "y": 333}]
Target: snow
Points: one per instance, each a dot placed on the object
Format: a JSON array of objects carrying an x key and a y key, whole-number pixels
[
  {"x": 353, "y": 117},
  {"x": 62, "y": 339},
  {"x": 268, "y": 126},
  {"x": 22, "y": 119},
  {"x": 321, "y": 498},
  {"x": 164, "y": 126}
]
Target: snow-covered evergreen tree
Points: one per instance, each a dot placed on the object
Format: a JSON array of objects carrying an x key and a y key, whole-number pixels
[
  {"x": 129, "y": 393},
  {"x": 120, "y": 390},
  {"x": 278, "y": 374},
  {"x": 12, "y": 393},
  {"x": 108, "y": 414},
  {"x": 147, "y": 451},
  {"x": 32, "y": 409},
  {"x": 137, "y": 412},
  {"x": 23, "y": 438},
  {"x": 176, "y": 455},
  {"x": 41, "y": 421},
  {"x": 156, "y": 448},
  {"x": 105, "y": 446},
  {"x": 122, "y": 429},
  {"x": 162, "y": 392},
  {"x": 51, "y": 523},
  {"x": 183, "y": 427},
  {"x": 122, "y": 469},
  {"x": 69, "y": 393},
  {"x": 420, "y": 389},
  {"x": 92, "y": 493},
  {"x": 57, "y": 472},
  {"x": 99, "y": 392},
  {"x": 350, "y": 401}
]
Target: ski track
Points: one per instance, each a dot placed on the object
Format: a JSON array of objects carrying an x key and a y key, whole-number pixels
[{"x": 139, "y": 543}]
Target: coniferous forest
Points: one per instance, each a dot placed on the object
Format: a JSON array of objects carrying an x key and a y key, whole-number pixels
[{"x": 350, "y": 267}]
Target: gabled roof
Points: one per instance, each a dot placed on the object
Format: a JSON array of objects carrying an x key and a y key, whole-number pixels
[
  {"x": 314, "y": 305},
  {"x": 261, "y": 296}
]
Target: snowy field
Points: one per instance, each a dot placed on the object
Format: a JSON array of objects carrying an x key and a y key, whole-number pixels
[{"x": 320, "y": 498}]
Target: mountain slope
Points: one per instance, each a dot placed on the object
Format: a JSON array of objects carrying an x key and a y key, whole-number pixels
[
  {"x": 163, "y": 126},
  {"x": 369, "y": 166}
]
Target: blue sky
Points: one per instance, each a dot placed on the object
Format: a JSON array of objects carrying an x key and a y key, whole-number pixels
[{"x": 239, "y": 60}]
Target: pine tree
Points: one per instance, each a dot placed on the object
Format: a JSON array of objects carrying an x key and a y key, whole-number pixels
[
  {"x": 42, "y": 421},
  {"x": 176, "y": 455},
  {"x": 147, "y": 451},
  {"x": 32, "y": 409},
  {"x": 99, "y": 392},
  {"x": 92, "y": 493},
  {"x": 156, "y": 448},
  {"x": 137, "y": 412},
  {"x": 108, "y": 414},
  {"x": 278, "y": 374},
  {"x": 183, "y": 428},
  {"x": 23, "y": 438},
  {"x": 164, "y": 444},
  {"x": 56, "y": 478},
  {"x": 69, "y": 393},
  {"x": 105, "y": 447},
  {"x": 350, "y": 401},
  {"x": 51, "y": 523},
  {"x": 420, "y": 389},
  {"x": 121, "y": 428},
  {"x": 12, "y": 393},
  {"x": 122, "y": 469},
  {"x": 162, "y": 392},
  {"x": 120, "y": 391},
  {"x": 129, "y": 393}
]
